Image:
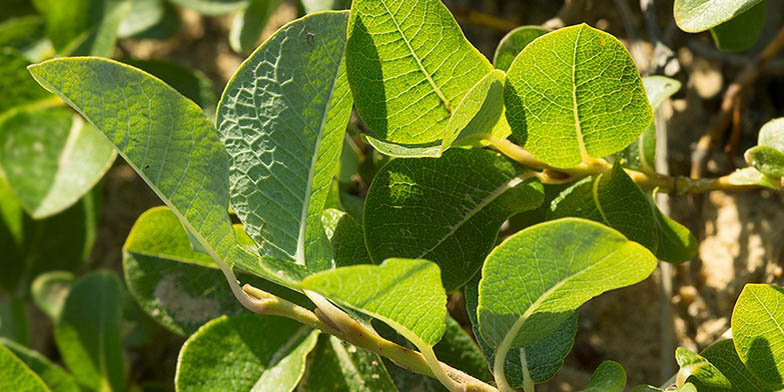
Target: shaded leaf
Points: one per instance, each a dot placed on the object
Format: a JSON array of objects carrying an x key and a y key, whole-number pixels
[
  {"x": 758, "y": 332},
  {"x": 574, "y": 94},
  {"x": 741, "y": 32},
  {"x": 49, "y": 291},
  {"x": 676, "y": 243},
  {"x": 84, "y": 27},
  {"x": 447, "y": 210},
  {"x": 247, "y": 26},
  {"x": 513, "y": 43},
  {"x": 14, "y": 321},
  {"x": 723, "y": 356},
  {"x": 608, "y": 377},
  {"x": 228, "y": 354},
  {"x": 346, "y": 236},
  {"x": 699, "y": 371}
]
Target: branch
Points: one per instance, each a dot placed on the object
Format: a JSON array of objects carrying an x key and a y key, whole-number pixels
[{"x": 335, "y": 322}]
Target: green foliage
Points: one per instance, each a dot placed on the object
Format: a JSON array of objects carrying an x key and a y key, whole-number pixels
[
  {"x": 513, "y": 43},
  {"x": 699, "y": 15},
  {"x": 339, "y": 366},
  {"x": 552, "y": 95},
  {"x": 247, "y": 26},
  {"x": 608, "y": 377},
  {"x": 55, "y": 378},
  {"x": 209, "y": 358},
  {"x": 49, "y": 291},
  {"x": 768, "y": 156},
  {"x": 740, "y": 33},
  {"x": 15, "y": 376},
  {"x": 758, "y": 333}
]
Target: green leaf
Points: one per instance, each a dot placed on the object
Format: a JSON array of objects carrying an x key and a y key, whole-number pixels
[
  {"x": 284, "y": 133},
  {"x": 212, "y": 7},
  {"x": 84, "y": 27},
  {"x": 178, "y": 287},
  {"x": 143, "y": 15},
  {"x": 688, "y": 387},
  {"x": 25, "y": 34},
  {"x": 574, "y": 94},
  {"x": 247, "y": 26},
  {"x": 677, "y": 244},
  {"x": 12, "y": 238},
  {"x": 15, "y": 376},
  {"x": 758, "y": 332},
  {"x": 408, "y": 80},
  {"x": 740, "y": 33},
  {"x": 51, "y": 158},
  {"x": 694, "y": 16},
  {"x": 641, "y": 154},
  {"x": 608, "y": 377},
  {"x": 752, "y": 176},
  {"x": 543, "y": 358},
  {"x": 698, "y": 370},
  {"x": 346, "y": 236},
  {"x": 772, "y": 134},
  {"x": 229, "y": 353},
  {"x": 55, "y": 378},
  {"x": 384, "y": 288},
  {"x": 614, "y": 200},
  {"x": 162, "y": 135},
  {"x": 49, "y": 291},
  {"x": 312, "y": 6},
  {"x": 14, "y": 321},
  {"x": 458, "y": 349},
  {"x": 567, "y": 262},
  {"x": 447, "y": 210},
  {"x": 768, "y": 155},
  {"x": 513, "y": 43},
  {"x": 337, "y": 366},
  {"x": 88, "y": 332},
  {"x": 20, "y": 90},
  {"x": 191, "y": 83},
  {"x": 723, "y": 356}
]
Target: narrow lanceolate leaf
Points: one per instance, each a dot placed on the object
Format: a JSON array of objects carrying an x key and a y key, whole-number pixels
[
  {"x": 740, "y": 33},
  {"x": 229, "y": 353},
  {"x": 699, "y": 15},
  {"x": 768, "y": 155},
  {"x": 699, "y": 371},
  {"x": 178, "y": 287},
  {"x": 447, "y": 210},
  {"x": 338, "y": 366},
  {"x": 614, "y": 200},
  {"x": 51, "y": 158},
  {"x": 282, "y": 118},
  {"x": 88, "y": 332},
  {"x": 16, "y": 376},
  {"x": 758, "y": 332},
  {"x": 55, "y": 378},
  {"x": 608, "y": 377},
  {"x": 165, "y": 137},
  {"x": 408, "y": 80},
  {"x": 513, "y": 43},
  {"x": 543, "y": 358},
  {"x": 385, "y": 291},
  {"x": 49, "y": 291},
  {"x": 641, "y": 154},
  {"x": 537, "y": 278},
  {"x": 723, "y": 356},
  {"x": 574, "y": 94}
]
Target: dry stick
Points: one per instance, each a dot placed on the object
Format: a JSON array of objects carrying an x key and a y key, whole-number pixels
[
  {"x": 734, "y": 93},
  {"x": 342, "y": 326}
]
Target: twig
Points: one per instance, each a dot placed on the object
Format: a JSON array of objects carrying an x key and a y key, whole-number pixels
[
  {"x": 342, "y": 326},
  {"x": 478, "y": 18}
]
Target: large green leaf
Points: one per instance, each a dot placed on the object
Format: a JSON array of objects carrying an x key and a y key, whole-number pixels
[
  {"x": 88, "y": 332},
  {"x": 165, "y": 137},
  {"x": 740, "y": 33},
  {"x": 247, "y": 26},
  {"x": 723, "y": 356},
  {"x": 282, "y": 118},
  {"x": 513, "y": 43},
  {"x": 447, "y": 210},
  {"x": 191, "y": 83},
  {"x": 699, "y": 15},
  {"x": 84, "y": 27},
  {"x": 51, "y": 374},
  {"x": 699, "y": 371},
  {"x": 409, "y": 66},
  {"x": 337, "y": 366},
  {"x": 768, "y": 156},
  {"x": 386, "y": 291},
  {"x": 178, "y": 287},
  {"x": 245, "y": 352},
  {"x": 16, "y": 376},
  {"x": 758, "y": 332},
  {"x": 543, "y": 358},
  {"x": 574, "y": 94},
  {"x": 538, "y": 277},
  {"x": 608, "y": 377},
  {"x": 51, "y": 158},
  {"x": 614, "y": 200}
]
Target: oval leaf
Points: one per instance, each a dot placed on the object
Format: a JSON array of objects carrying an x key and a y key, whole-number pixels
[
  {"x": 608, "y": 377},
  {"x": 229, "y": 354},
  {"x": 513, "y": 43},
  {"x": 694, "y": 16},
  {"x": 723, "y": 356},
  {"x": 384, "y": 293},
  {"x": 740, "y": 33},
  {"x": 408, "y": 80},
  {"x": 758, "y": 331},
  {"x": 574, "y": 94},
  {"x": 16, "y": 376},
  {"x": 284, "y": 133},
  {"x": 447, "y": 210}
]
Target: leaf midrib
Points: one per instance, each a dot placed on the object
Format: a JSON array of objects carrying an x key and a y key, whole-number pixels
[
  {"x": 577, "y": 125},
  {"x": 429, "y": 78}
]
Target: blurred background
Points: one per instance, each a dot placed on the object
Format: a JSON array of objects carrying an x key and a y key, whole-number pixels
[{"x": 196, "y": 46}]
